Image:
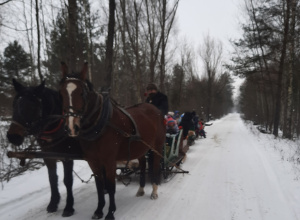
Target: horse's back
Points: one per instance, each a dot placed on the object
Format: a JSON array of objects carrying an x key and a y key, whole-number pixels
[{"x": 149, "y": 121}]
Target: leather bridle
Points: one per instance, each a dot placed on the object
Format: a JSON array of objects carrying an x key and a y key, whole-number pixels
[{"x": 78, "y": 113}]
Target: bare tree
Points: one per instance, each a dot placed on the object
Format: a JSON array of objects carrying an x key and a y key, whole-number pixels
[
  {"x": 129, "y": 27},
  {"x": 211, "y": 54},
  {"x": 39, "y": 39},
  {"x": 166, "y": 22},
  {"x": 153, "y": 36}
]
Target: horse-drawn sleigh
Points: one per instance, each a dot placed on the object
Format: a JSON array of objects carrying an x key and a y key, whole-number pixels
[{"x": 96, "y": 130}]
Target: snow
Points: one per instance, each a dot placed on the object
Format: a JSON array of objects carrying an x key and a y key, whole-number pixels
[{"x": 235, "y": 173}]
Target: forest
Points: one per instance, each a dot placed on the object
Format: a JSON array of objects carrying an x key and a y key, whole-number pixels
[
  {"x": 127, "y": 44},
  {"x": 267, "y": 56}
]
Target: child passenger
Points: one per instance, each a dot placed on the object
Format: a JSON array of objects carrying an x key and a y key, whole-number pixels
[{"x": 172, "y": 127}]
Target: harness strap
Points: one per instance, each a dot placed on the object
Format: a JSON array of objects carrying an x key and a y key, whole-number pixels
[
  {"x": 99, "y": 100},
  {"x": 137, "y": 135},
  {"x": 55, "y": 129},
  {"x": 98, "y": 128},
  {"x": 20, "y": 125},
  {"x": 132, "y": 137}
]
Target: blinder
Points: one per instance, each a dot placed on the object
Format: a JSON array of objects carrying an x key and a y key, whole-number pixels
[{"x": 19, "y": 118}]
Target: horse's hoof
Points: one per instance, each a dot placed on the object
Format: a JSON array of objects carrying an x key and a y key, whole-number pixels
[
  {"x": 140, "y": 192},
  {"x": 97, "y": 215},
  {"x": 110, "y": 217},
  {"x": 154, "y": 196},
  {"x": 68, "y": 213},
  {"x": 53, "y": 205},
  {"x": 52, "y": 208}
]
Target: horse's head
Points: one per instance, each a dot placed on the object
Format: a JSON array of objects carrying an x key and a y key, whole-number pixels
[
  {"x": 27, "y": 110},
  {"x": 74, "y": 90}
]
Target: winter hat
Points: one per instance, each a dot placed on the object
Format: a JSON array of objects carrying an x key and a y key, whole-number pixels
[
  {"x": 171, "y": 113},
  {"x": 151, "y": 86}
]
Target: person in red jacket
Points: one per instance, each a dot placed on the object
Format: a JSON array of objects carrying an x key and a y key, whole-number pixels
[{"x": 201, "y": 128}]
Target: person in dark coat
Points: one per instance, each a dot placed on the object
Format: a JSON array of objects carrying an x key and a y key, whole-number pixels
[
  {"x": 187, "y": 123},
  {"x": 157, "y": 98}
]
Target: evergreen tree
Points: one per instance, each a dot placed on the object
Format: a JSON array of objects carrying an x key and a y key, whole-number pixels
[
  {"x": 16, "y": 62},
  {"x": 176, "y": 88},
  {"x": 57, "y": 49}
]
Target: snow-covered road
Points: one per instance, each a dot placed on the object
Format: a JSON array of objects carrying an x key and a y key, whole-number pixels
[{"x": 233, "y": 175}]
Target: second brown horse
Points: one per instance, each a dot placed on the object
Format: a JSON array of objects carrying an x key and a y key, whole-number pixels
[{"x": 109, "y": 133}]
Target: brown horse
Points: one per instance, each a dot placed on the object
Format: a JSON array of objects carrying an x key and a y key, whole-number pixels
[{"x": 109, "y": 133}]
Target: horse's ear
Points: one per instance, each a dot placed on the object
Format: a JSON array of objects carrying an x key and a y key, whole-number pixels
[
  {"x": 64, "y": 69},
  {"x": 18, "y": 86},
  {"x": 84, "y": 71},
  {"x": 40, "y": 88}
]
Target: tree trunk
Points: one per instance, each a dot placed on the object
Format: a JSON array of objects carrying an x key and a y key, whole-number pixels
[
  {"x": 281, "y": 69},
  {"x": 29, "y": 39},
  {"x": 153, "y": 37},
  {"x": 163, "y": 46},
  {"x": 290, "y": 76},
  {"x": 88, "y": 38},
  {"x": 110, "y": 45},
  {"x": 72, "y": 35},
  {"x": 39, "y": 40}
]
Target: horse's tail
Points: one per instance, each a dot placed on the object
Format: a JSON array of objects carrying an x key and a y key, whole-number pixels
[{"x": 154, "y": 167}]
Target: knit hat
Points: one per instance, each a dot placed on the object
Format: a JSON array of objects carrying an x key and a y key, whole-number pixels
[{"x": 151, "y": 86}]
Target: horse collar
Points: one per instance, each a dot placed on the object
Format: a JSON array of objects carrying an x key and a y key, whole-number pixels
[{"x": 98, "y": 129}]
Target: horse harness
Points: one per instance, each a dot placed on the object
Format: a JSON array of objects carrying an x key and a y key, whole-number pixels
[
  {"x": 103, "y": 120},
  {"x": 104, "y": 103}
]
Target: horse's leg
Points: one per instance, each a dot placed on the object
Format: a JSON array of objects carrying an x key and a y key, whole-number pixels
[
  {"x": 53, "y": 180},
  {"x": 155, "y": 177},
  {"x": 99, "y": 180},
  {"x": 110, "y": 186},
  {"x": 142, "y": 162},
  {"x": 101, "y": 201},
  {"x": 68, "y": 181}
]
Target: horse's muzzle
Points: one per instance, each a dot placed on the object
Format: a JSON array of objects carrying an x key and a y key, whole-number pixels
[
  {"x": 72, "y": 132},
  {"x": 15, "y": 139},
  {"x": 16, "y": 134}
]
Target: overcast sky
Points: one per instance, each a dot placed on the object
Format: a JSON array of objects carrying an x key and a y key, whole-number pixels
[{"x": 219, "y": 18}]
